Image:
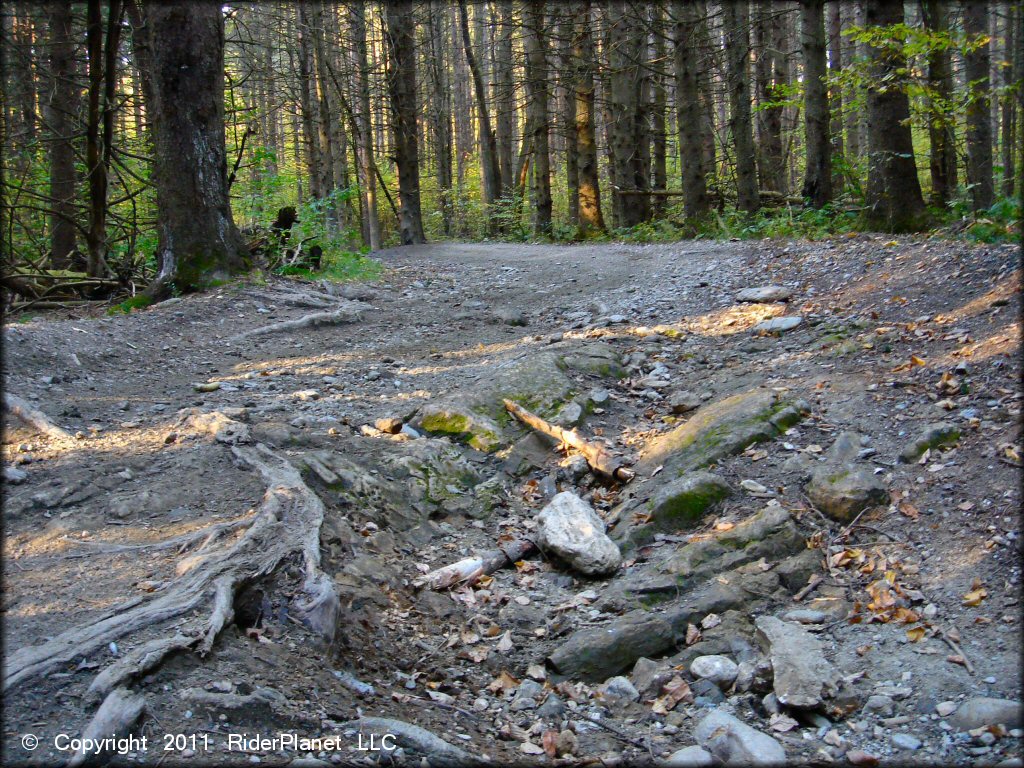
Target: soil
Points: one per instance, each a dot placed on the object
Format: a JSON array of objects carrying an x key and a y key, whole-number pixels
[{"x": 896, "y": 334}]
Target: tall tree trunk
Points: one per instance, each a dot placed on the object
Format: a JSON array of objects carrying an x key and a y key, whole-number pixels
[
  {"x": 659, "y": 136},
  {"x": 567, "y": 125},
  {"x": 199, "y": 242},
  {"x": 769, "y": 116},
  {"x": 401, "y": 76},
  {"x": 835, "y": 66},
  {"x": 441, "y": 109},
  {"x": 818, "y": 173},
  {"x": 1010, "y": 115},
  {"x": 689, "y": 112},
  {"x": 364, "y": 129},
  {"x": 488, "y": 141},
  {"x": 537, "y": 114},
  {"x": 851, "y": 116},
  {"x": 308, "y": 103},
  {"x": 979, "y": 125},
  {"x": 326, "y": 118},
  {"x": 625, "y": 41},
  {"x": 894, "y": 201},
  {"x": 504, "y": 96},
  {"x": 60, "y": 113},
  {"x": 942, "y": 141},
  {"x": 591, "y": 219},
  {"x": 736, "y": 18}
]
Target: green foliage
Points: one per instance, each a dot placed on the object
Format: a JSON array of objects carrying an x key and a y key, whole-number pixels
[
  {"x": 999, "y": 224},
  {"x": 338, "y": 267},
  {"x": 128, "y": 305}
]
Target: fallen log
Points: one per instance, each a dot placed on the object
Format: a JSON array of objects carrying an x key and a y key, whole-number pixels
[
  {"x": 15, "y": 406},
  {"x": 470, "y": 569},
  {"x": 600, "y": 459}
]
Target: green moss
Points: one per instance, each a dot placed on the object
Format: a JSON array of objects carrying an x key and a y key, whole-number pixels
[{"x": 126, "y": 306}]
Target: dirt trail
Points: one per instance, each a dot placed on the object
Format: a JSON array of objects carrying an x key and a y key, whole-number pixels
[{"x": 894, "y": 335}]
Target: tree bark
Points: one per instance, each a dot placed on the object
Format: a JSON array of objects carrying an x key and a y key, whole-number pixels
[
  {"x": 659, "y": 136},
  {"x": 401, "y": 76},
  {"x": 440, "y": 110},
  {"x": 818, "y": 171},
  {"x": 488, "y": 141},
  {"x": 199, "y": 243},
  {"x": 537, "y": 115},
  {"x": 60, "y": 113},
  {"x": 1009, "y": 106},
  {"x": 504, "y": 97},
  {"x": 769, "y": 117},
  {"x": 626, "y": 114},
  {"x": 893, "y": 198},
  {"x": 689, "y": 112},
  {"x": 364, "y": 129},
  {"x": 979, "y": 125},
  {"x": 308, "y": 104},
  {"x": 736, "y": 18},
  {"x": 567, "y": 127},
  {"x": 942, "y": 140},
  {"x": 591, "y": 219}
]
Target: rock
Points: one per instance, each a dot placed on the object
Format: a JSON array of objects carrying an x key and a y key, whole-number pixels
[
  {"x": 707, "y": 694},
  {"x": 795, "y": 571},
  {"x": 552, "y": 707},
  {"x": 976, "y": 712},
  {"x": 681, "y": 503},
  {"x": 752, "y": 486},
  {"x": 720, "y": 670},
  {"x": 14, "y": 476},
  {"x": 526, "y": 696},
  {"x": 735, "y": 743},
  {"x": 945, "y": 708},
  {"x": 720, "y": 429},
  {"x": 570, "y": 415},
  {"x": 509, "y": 316},
  {"x": 648, "y": 676},
  {"x": 683, "y": 401},
  {"x": 689, "y": 757},
  {"x": 932, "y": 436},
  {"x": 842, "y": 491},
  {"x": 391, "y": 425},
  {"x": 461, "y": 423},
  {"x": 879, "y": 705},
  {"x": 798, "y": 660},
  {"x": 770, "y": 533},
  {"x": 846, "y": 448},
  {"x": 806, "y": 616},
  {"x": 905, "y": 741},
  {"x": 565, "y": 743},
  {"x": 621, "y": 688},
  {"x": 765, "y": 294},
  {"x": 570, "y": 529},
  {"x": 778, "y": 324}
]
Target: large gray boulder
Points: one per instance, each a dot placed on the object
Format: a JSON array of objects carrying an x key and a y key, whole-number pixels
[
  {"x": 733, "y": 742},
  {"x": 764, "y": 294},
  {"x": 980, "y": 711},
  {"x": 802, "y": 673},
  {"x": 571, "y": 530}
]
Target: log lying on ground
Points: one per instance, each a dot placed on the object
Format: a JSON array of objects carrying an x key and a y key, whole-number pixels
[
  {"x": 351, "y": 312},
  {"x": 287, "y": 522},
  {"x": 33, "y": 417},
  {"x": 600, "y": 459},
  {"x": 471, "y": 569}
]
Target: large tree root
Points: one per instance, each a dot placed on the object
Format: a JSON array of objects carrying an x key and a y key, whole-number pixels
[
  {"x": 209, "y": 534},
  {"x": 35, "y": 418},
  {"x": 351, "y": 312},
  {"x": 287, "y": 522},
  {"x": 409, "y": 736}
]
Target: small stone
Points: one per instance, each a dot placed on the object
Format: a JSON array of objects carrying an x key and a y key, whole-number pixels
[
  {"x": 648, "y": 676},
  {"x": 552, "y": 707},
  {"x": 14, "y": 476},
  {"x": 304, "y": 395},
  {"x": 754, "y": 487},
  {"x": 569, "y": 528},
  {"x": 945, "y": 708},
  {"x": 526, "y": 696},
  {"x": 977, "y": 712},
  {"x": 905, "y": 741},
  {"x": 620, "y": 687},
  {"x": 879, "y": 705},
  {"x": 842, "y": 491},
  {"x": 207, "y": 386},
  {"x": 683, "y": 402},
  {"x": 778, "y": 324},
  {"x": 720, "y": 670},
  {"x": 509, "y": 316},
  {"x": 689, "y": 757},
  {"x": 806, "y": 616},
  {"x": 736, "y": 743},
  {"x": 391, "y": 425},
  {"x": 932, "y": 436},
  {"x": 764, "y": 294}
]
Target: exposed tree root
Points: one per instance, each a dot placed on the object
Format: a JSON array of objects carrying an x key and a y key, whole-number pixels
[
  {"x": 33, "y": 417},
  {"x": 115, "y": 718},
  {"x": 350, "y": 312},
  {"x": 410, "y": 736},
  {"x": 287, "y": 522},
  {"x": 209, "y": 534}
]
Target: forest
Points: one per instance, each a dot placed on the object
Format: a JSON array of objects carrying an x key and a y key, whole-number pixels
[
  {"x": 457, "y": 383},
  {"x": 396, "y": 123}
]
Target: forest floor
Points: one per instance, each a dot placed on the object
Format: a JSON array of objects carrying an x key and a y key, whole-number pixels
[{"x": 895, "y": 335}]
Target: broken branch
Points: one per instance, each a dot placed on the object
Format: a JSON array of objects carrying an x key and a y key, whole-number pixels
[{"x": 470, "y": 569}]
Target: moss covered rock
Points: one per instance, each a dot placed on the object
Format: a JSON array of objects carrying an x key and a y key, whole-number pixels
[
  {"x": 932, "y": 436},
  {"x": 680, "y": 504},
  {"x": 842, "y": 491},
  {"x": 460, "y": 422}
]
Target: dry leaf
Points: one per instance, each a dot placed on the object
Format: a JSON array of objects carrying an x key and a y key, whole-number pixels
[
  {"x": 692, "y": 634},
  {"x": 782, "y": 723},
  {"x": 549, "y": 739},
  {"x": 915, "y": 634},
  {"x": 675, "y": 690},
  {"x": 505, "y": 644},
  {"x": 503, "y": 683},
  {"x": 909, "y": 510},
  {"x": 536, "y": 672},
  {"x": 973, "y": 598},
  {"x": 469, "y": 637},
  {"x": 477, "y": 654}
]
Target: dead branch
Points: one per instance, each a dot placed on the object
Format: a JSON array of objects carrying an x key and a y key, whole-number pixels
[
  {"x": 350, "y": 313},
  {"x": 33, "y": 417},
  {"x": 470, "y": 569},
  {"x": 600, "y": 459}
]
